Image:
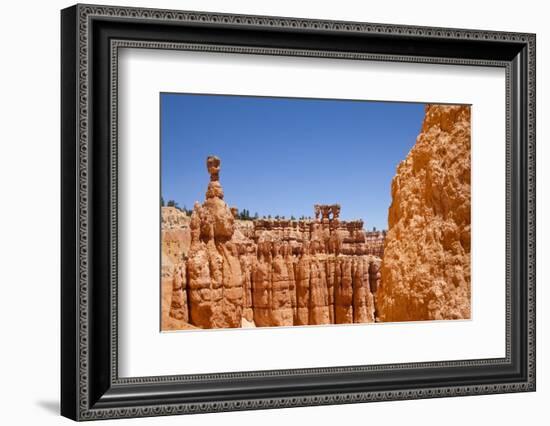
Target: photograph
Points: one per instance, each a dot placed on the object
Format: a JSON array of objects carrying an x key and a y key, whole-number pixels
[
  {"x": 265, "y": 209},
  {"x": 281, "y": 212}
]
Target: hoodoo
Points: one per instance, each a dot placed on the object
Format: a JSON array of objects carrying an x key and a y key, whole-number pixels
[{"x": 221, "y": 272}]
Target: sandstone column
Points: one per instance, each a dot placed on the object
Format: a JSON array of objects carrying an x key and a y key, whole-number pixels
[
  {"x": 302, "y": 286},
  {"x": 215, "y": 279},
  {"x": 262, "y": 286},
  {"x": 281, "y": 309},
  {"x": 318, "y": 290},
  {"x": 343, "y": 293}
]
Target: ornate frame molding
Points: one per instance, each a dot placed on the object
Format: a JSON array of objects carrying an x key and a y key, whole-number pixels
[{"x": 78, "y": 25}]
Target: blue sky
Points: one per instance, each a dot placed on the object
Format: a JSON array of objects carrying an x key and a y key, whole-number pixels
[{"x": 280, "y": 156}]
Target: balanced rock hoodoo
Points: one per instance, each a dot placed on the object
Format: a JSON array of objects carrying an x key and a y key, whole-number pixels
[{"x": 221, "y": 272}]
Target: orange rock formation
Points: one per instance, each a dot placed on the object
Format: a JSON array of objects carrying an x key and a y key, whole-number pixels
[
  {"x": 426, "y": 267},
  {"x": 218, "y": 271},
  {"x": 265, "y": 272},
  {"x": 176, "y": 240}
]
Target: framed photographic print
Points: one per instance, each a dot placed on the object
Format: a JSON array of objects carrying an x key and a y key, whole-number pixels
[{"x": 263, "y": 212}]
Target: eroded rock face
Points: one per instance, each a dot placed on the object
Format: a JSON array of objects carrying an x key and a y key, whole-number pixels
[
  {"x": 266, "y": 272},
  {"x": 178, "y": 304},
  {"x": 302, "y": 286},
  {"x": 426, "y": 267},
  {"x": 176, "y": 240},
  {"x": 175, "y": 312}
]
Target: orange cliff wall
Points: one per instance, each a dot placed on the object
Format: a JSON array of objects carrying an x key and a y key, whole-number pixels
[{"x": 426, "y": 267}]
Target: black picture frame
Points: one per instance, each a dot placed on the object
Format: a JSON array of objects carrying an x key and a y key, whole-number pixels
[{"x": 90, "y": 386}]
